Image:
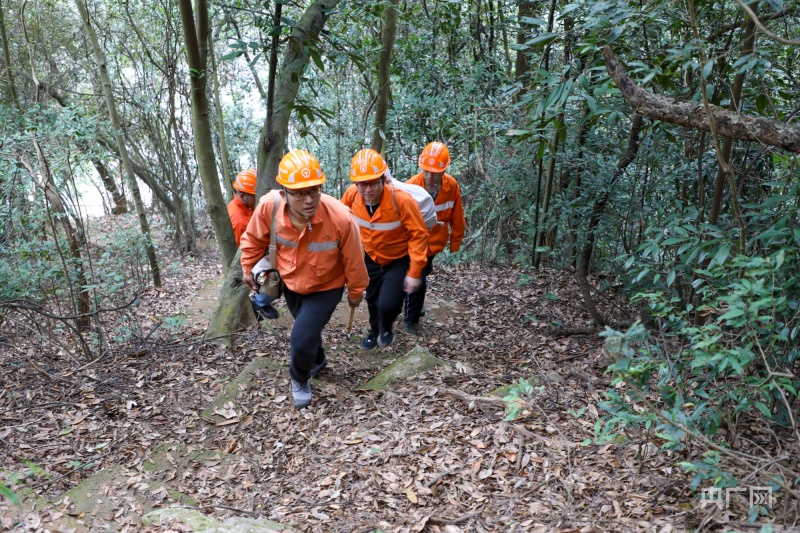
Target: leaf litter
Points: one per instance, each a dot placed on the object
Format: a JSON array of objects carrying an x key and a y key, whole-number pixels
[{"x": 427, "y": 454}]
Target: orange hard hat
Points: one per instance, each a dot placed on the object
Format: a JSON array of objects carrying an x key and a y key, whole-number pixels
[
  {"x": 367, "y": 165},
  {"x": 246, "y": 181},
  {"x": 299, "y": 169},
  {"x": 435, "y": 157}
]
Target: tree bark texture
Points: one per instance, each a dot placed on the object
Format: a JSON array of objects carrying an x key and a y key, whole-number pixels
[
  {"x": 304, "y": 36},
  {"x": 267, "y": 182},
  {"x": 223, "y": 144},
  {"x": 105, "y": 80},
  {"x": 233, "y": 310},
  {"x": 120, "y": 206},
  {"x": 388, "y": 32},
  {"x": 12, "y": 90},
  {"x": 196, "y": 37},
  {"x": 693, "y": 115}
]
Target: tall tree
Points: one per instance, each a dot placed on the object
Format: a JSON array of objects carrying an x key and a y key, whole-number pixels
[
  {"x": 223, "y": 144},
  {"x": 303, "y": 39},
  {"x": 724, "y": 171},
  {"x": 12, "y": 91},
  {"x": 195, "y": 34},
  {"x": 388, "y": 32},
  {"x": 111, "y": 105},
  {"x": 525, "y": 13}
]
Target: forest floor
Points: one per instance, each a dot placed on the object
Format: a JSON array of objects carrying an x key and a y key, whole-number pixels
[{"x": 92, "y": 446}]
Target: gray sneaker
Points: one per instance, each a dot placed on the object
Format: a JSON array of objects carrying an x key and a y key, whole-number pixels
[{"x": 301, "y": 393}]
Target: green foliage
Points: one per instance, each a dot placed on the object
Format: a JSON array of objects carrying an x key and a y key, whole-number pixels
[
  {"x": 9, "y": 495},
  {"x": 728, "y": 326},
  {"x": 519, "y": 397}
]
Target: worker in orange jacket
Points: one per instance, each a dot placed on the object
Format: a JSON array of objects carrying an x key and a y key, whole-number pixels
[
  {"x": 433, "y": 161},
  {"x": 240, "y": 209},
  {"x": 318, "y": 252},
  {"x": 395, "y": 243}
]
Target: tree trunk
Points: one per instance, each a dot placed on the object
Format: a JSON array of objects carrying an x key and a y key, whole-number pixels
[
  {"x": 566, "y": 185},
  {"x": 303, "y": 37},
  {"x": 80, "y": 296},
  {"x": 118, "y": 135},
  {"x": 693, "y": 115},
  {"x": 734, "y": 107},
  {"x": 504, "y": 32},
  {"x": 120, "y": 205},
  {"x": 223, "y": 144},
  {"x": 598, "y": 208},
  {"x": 388, "y": 32},
  {"x": 233, "y": 311},
  {"x": 12, "y": 90},
  {"x": 548, "y": 186},
  {"x": 267, "y": 182},
  {"x": 196, "y": 36},
  {"x": 522, "y": 67}
]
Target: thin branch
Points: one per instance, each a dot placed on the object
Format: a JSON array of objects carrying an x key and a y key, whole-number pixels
[
  {"x": 33, "y": 306},
  {"x": 764, "y": 30}
]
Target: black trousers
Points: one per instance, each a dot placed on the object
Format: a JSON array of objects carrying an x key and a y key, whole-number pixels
[
  {"x": 416, "y": 300},
  {"x": 311, "y": 313},
  {"x": 385, "y": 293}
]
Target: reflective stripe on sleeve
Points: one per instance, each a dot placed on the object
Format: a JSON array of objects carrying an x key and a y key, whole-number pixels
[
  {"x": 446, "y": 205},
  {"x": 324, "y": 246}
]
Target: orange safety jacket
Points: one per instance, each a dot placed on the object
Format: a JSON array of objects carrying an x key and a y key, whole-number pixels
[
  {"x": 449, "y": 211},
  {"x": 240, "y": 216},
  {"x": 327, "y": 256},
  {"x": 394, "y": 231}
]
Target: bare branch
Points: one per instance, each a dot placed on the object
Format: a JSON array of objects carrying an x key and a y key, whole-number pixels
[
  {"x": 764, "y": 30},
  {"x": 693, "y": 115}
]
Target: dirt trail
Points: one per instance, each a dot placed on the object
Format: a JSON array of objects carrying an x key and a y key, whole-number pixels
[{"x": 426, "y": 454}]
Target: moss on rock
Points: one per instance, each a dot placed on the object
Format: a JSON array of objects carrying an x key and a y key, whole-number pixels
[
  {"x": 415, "y": 362},
  {"x": 207, "y": 524}
]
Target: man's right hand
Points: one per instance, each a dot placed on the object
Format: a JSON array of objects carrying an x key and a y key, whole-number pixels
[
  {"x": 355, "y": 302},
  {"x": 411, "y": 284},
  {"x": 250, "y": 281}
]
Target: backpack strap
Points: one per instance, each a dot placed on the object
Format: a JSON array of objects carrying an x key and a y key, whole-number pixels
[
  {"x": 273, "y": 230},
  {"x": 394, "y": 202}
]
